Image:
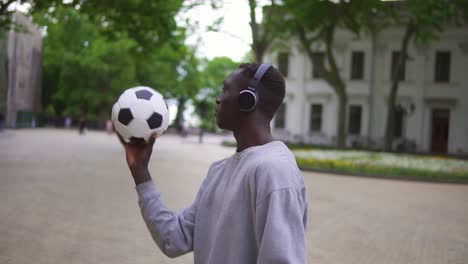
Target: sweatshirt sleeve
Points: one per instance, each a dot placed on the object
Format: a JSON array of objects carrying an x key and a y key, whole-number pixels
[
  {"x": 281, "y": 227},
  {"x": 173, "y": 232}
]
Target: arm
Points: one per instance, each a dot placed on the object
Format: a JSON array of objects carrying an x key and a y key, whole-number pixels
[
  {"x": 172, "y": 232},
  {"x": 281, "y": 227}
]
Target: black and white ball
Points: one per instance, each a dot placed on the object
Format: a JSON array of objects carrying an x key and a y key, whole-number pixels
[{"x": 140, "y": 112}]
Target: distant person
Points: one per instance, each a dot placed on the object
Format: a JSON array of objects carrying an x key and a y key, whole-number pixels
[
  {"x": 68, "y": 122},
  {"x": 82, "y": 123},
  {"x": 252, "y": 206},
  {"x": 109, "y": 127}
]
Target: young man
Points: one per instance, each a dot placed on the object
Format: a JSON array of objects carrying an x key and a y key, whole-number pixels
[{"x": 252, "y": 206}]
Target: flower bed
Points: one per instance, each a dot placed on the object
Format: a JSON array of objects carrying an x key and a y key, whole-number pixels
[{"x": 432, "y": 168}]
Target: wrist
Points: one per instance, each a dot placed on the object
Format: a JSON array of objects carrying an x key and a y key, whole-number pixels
[{"x": 140, "y": 174}]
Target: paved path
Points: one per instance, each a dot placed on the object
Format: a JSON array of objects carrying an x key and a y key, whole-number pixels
[{"x": 66, "y": 198}]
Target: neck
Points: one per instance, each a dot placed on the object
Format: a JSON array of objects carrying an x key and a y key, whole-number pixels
[{"x": 253, "y": 133}]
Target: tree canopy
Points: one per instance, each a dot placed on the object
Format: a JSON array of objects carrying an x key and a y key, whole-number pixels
[{"x": 90, "y": 57}]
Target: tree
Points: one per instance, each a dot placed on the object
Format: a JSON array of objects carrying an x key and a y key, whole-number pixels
[
  {"x": 315, "y": 23},
  {"x": 422, "y": 20},
  {"x": 6, "y": 12},
  {"x": 82, "y": 68},
  {"x": 149, "y": 23},
  {"x": 188, "y": 85},
  {"x": 91, "y": 57},
  {"x": 266, "y": 31}
]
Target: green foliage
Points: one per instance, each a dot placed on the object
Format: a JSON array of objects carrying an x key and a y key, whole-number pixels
[
  {"x": 82, "y": 67},
  {"x": 427, "y": 17},
  {"x": 149, "y": 23},
  {"x": 88, "y": 61}
]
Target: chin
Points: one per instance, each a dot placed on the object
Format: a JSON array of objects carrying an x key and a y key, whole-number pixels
[{"x": 219, "y": 124}]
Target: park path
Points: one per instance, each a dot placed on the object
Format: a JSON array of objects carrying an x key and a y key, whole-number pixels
[{"x": 66, "y": 198}]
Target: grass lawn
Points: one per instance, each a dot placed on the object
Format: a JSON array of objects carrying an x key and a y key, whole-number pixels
[{"x": 380, "y": 164}]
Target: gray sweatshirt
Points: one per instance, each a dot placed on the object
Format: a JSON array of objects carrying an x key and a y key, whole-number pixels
[{"x": 251, "y": 208}]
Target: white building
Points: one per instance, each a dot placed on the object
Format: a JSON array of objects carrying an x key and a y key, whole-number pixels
[{"x": 433, "y": 96}]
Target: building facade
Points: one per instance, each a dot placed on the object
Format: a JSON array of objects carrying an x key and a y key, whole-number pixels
[
  {"x": 432, "y": 100},
  {"x": 20, "y": 73}
]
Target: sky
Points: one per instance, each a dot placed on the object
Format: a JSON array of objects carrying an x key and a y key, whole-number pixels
[{"x": 233, "y": 38}]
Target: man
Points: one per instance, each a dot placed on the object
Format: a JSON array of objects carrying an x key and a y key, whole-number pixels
[{"x": 252, "y": 206}]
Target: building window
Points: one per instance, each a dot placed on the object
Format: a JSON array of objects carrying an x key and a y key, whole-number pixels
[
  {"x": 316, "y": 118},
  {"x": 357, "y": 65},
  {"x": 354, "y": 122},
  {"x": 395, "y": 57},
  {"x": 320, "y": 59},
  {"x": 280, "y": 119},
  {"x": 442, "y": 66},
  {"x": 283, "y": 63}
]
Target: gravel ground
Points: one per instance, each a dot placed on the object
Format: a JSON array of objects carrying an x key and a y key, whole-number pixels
[{"x": 66, "y": 198}]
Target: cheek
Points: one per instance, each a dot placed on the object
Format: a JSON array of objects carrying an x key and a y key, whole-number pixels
[{"x": 228, "y": 101}]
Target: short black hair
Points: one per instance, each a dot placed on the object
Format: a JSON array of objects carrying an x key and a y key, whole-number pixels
[{"x": 271, "y": 88}]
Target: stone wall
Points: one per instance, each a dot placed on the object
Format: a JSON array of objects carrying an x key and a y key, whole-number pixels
[{"x": 24, "y": 73}]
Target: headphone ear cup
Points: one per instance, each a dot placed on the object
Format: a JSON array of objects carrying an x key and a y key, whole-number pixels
[{"x": 247, "y": 100}]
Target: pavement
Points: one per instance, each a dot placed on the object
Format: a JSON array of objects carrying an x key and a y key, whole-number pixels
[{"x": 66, "y": 198}]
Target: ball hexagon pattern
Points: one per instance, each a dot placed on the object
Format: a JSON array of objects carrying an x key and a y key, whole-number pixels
[
  {"x": 125, "y": 116},
  {"x": 138, "y": 113},
  {"x": 143, "y": 94},
  {"x": 154, "y": 121}
]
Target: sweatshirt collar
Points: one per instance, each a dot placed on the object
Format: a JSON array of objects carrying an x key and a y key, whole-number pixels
[{"x": 244, "y": 152}]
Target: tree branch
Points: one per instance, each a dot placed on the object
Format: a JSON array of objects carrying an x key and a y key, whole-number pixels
[{"x": 410, "y": 30}]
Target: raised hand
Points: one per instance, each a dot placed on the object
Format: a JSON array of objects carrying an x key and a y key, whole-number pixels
[{"x": 138, "y": 156}]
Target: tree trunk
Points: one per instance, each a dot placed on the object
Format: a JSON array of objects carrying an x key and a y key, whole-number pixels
[
  {"x": 200, "y": 135},
  {"x": 179, "y": 120},
  {"x": 261, "y": 37},
  {"x": 331, "y": 76},
  {"x": 341, "y": 127},
  {"x": 389, "y": 131},
  {"x": 258, "y": 54}
]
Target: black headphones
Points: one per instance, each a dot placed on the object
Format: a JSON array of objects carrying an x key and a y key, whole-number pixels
[{"x": 248, "y": 97}]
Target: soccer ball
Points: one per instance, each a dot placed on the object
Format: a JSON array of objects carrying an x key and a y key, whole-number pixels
[{"x": 138, "y": 113}]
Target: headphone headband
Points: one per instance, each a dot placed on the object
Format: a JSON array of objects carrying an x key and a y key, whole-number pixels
[
  {"x": 259, "y": 74},
  {"x": 247, "y": 97}
]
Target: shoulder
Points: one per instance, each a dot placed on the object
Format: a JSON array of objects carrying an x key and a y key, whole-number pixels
[
  {"x": 278, "y": 159},
  {"x": 278, "y": 173},
  {"x": 217, "y": 165},
  {"x": 276, "y": 170},
  {"x": 214, "y": 170}
]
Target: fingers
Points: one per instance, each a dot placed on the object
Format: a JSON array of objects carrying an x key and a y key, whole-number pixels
[{"x": 152, "y": 139}]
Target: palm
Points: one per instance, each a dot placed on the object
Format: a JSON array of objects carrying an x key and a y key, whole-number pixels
[{"x": 138, "y": 155}]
